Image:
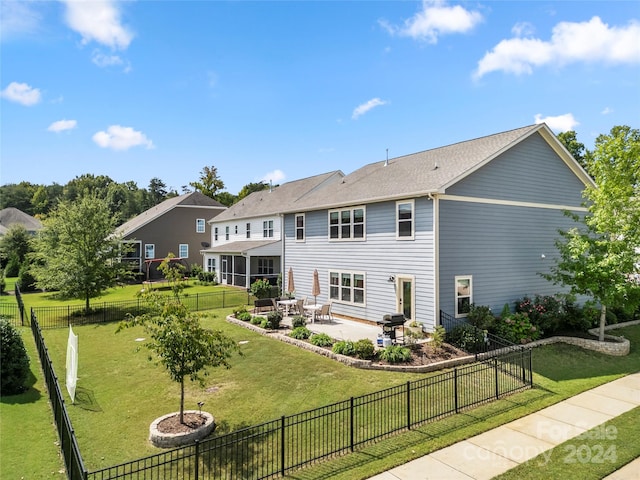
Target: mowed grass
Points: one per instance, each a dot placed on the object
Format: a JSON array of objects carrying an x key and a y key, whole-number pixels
[{"x": 28, "y": 438}]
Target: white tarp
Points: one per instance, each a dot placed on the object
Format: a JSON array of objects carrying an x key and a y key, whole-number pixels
[{"x": 72, "y": 364}]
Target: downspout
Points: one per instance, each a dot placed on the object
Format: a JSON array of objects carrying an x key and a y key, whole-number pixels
[
  {"x": 282, "y": 242},
  {"x": 436, "y": 258}
]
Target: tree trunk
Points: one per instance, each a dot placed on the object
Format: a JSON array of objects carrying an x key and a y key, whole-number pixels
[
  {"x": 182, "y": 400},
  {"x": 86, "y": 303},
  {"x": 603, "y": 322}
]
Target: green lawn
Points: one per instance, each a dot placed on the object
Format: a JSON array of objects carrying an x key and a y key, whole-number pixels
[{"x": 28, "y": 438}]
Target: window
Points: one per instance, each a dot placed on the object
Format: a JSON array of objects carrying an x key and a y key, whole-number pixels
[
  {"x": 346, "y": 224},
  {"x": 404, "y": 216},
  {"x": 200, "y": 226},
  {"x": 300, "y": 227},
  {"x": 215, "y": 234},
  {"x": 211, "y": 264},
  {"x": 226, "y": 232},
  {"x": 150, "y": 250},
  {"x": 265, "y": 266},
  {"x": 248, "y": 230},
  {"x": 267, "y": 229},
  {"x": 183, "y": 250},
  {"x": 235, "y": 232},
  {"x": 464, "y": 295},
  {"x": 346, "y": 287}
]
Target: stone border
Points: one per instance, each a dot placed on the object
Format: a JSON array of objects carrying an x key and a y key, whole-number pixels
[
  {"x": 618, "y": 346},
  {"x": 170, "y": 440}
]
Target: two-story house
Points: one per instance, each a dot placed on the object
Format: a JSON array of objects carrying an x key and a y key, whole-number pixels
[
  {"x": 435, "y": 231},
  {"x": 246, "y": 239}
]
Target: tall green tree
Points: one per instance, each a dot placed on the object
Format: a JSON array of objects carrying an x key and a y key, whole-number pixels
[
  {"x": 18, "y": 195},
  {"x": 77, "y": 251},
  {"x": 180, "y": 343},
  {"x": 601, "y": 256},
  {"x": 17, "y": 243},
  {"x": 249, "y": 188},
  {"x": 577, "y": 149},
  {"x": 209, "y": 183}
]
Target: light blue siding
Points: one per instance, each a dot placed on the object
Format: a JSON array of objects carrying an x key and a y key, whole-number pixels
[
  {"x": 380, "y": 256},
  {"x": 529, "y": 172},
  {"x": 501, "y": 247}
]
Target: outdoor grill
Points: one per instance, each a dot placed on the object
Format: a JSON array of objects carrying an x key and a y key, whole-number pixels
[{"x": 389, "y": 324}]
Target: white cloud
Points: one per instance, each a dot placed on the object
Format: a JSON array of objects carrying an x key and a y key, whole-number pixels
[
  {"x": 121, "y": 138},
  {"x": 102, "y": 60},
  {"x": 62, "y": 125},
  {"x": 99, "y": 21},
  {"x": 275, "y": 177},
  {"x": 560, "y": 123},
  {"x": 606, "y": 111},
  {"x": 522, "y": 29},
  {"x": 436, "y": 18},
  {"x": 365, "y": 107},
  {"x": 17, "y": 18},
  {"x": 588, "y": 42},
  {"x": 21, "y": 93}
]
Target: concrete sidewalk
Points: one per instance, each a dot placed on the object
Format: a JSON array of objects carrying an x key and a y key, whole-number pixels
[{"x": 496, "y": 451}]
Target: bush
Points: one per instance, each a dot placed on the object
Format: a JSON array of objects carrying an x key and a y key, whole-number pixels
[
  {"x": 26, "y": 279},
  {"x": 364, "y": 349},
  {"x": 517, "y": 328},
  {"x": 257, "y": 320},
  {"x": 466, "y": 338},
  {"x": 321, "y": 340},
  {"x": 261, "y": 288},
  {"x": 396, "y": 354},
  {"x": 208, "y": 277},
  {"x": 3, "y": 283},
  {"x": 480, "y": 316},
  {"x": 437, "y": 337},
  {"x": 14, "y": 361},
  {"x": 344, "y": 347},
  {"x": 244, "y": 316},
  {"x": 300, "y": 333},
  {"x": 13, "y": 267},
  {"x": 273, "y": 320},
  {"x": 298, "y": 321},
  {"x": 196, "y": 270},
  {"x": 544, "y": 312}
]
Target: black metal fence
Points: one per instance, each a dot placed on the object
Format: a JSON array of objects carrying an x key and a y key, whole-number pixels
[
  {"x": 104, "y": 312},
  {"x": 68, "y": 444}
]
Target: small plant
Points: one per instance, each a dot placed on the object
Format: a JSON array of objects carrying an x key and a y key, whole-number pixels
[
  {"x": 321, "y": 340},
  {"x": 300, "y": 333},
  {"x": 344, "y": 347},
  {"x": 396, "y": 354},
  {"x": 298, "y": 321},
  {"x": 437, "y": 337},
  {"x": 264, "y": 324},
  {"x": 244, "y": 316},
  {"x": 257, "y": 320},
  {"x": 364, "y": 349},
  {"x": 273, "y": 320},
  {"x": 14, "y": 361}
]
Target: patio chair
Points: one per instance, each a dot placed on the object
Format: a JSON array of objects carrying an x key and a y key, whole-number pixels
[
  {"x": 300, "y": 307},
  {"x": 325, "y": 313}
]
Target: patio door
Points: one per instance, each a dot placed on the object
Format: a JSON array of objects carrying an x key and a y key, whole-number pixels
[{"x": 405, "y": 296}]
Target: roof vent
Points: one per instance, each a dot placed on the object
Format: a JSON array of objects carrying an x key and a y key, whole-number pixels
[{"x": 386, "y": 162}]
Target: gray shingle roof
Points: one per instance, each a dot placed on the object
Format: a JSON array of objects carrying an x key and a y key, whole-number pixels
[
  {"x": 240, "y": 247},
  {"x": 273, "y": 202},
  {"x": 193, "y": 199},
  {"x": 12, "y": 216}
]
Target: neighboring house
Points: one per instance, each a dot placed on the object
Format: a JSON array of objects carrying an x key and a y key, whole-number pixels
[
  {"x": 246, "y": 238},
  {"x": 177, "y": 225},
  {"x": 435, "y": 231},
  {"x": 12, "y": 216}
]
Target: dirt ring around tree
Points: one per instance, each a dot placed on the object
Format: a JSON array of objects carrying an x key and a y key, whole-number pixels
[{"x": 168, "y": 432}]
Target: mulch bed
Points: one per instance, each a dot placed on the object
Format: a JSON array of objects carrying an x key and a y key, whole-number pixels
[
  {"x": 173, "y": 425},
  {"x": 425, "y": 354}
]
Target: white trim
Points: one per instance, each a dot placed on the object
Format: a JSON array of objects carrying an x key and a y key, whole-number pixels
[
  {"x": 413, "y": 219},
  {"x": 180, "y": 247},
  {"x": 351, "y": 238},
  {"x": 455, "y": 293},
  {"x": 436, "y": 260},
  {"x": 152, "y": 246},
  {"x": 295, "y": 228},
  {"x": 400, "y": 293},
  {"x": 204, "y": 225},
  {"x": 352, "y": 287},
  {"x": 510, "y": 203}
]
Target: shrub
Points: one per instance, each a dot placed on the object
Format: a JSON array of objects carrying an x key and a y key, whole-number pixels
[
  {"x": 466, "y": 338},
  {"x": 273, "y": 320},
  {"x": 265, "y": 324},
  {"x": 26, "y": 279},
  {"x": 261, "y": 288},
  {"x": 257, "y": 320},
  {"x": 396, "y": 354},
  {"x": 3, "y": 283},
  {"x": 437, "y": 337},
  {"x": 364, "y": 349},
  {"x": 321, "y": 340},
  {"x": 196, "y": 270},
  {"x": 244, "y": 316},
  {"x": 13, "y": 267},
  {"x": 298, "y": 321},
  {"x": 208, "y": 278},
  {"x": 480, "y": 316},
  {"x": 14, "y": 361},
  {"x": 544, "y": 312},
  {"x": 300, "y": 333},
  {"x": 344, "y": 347},
  {"x": 517, "y": 328}
]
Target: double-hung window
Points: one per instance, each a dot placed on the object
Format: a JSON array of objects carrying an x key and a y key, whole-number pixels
[
  {"x": 346, "y": 287},
  {"x": 200, "y": 226},
  {"x": 248, "y": 229},
  {"x": 347, "y": 224},
  {"x": 215, "y": 234},
  {"x": 405, "y": 220},
  {"x": 464, "y": 295},
  {"x": 265, "y": 266},
  {"x": 300, "y": 227},
  {"x": 150, "y": 250},
  {"x": 226, "y": 232},
  {"x": 211, "y": 264},
  {"x": 267, "y": 229},
  {"x": 183, "y": 250}
]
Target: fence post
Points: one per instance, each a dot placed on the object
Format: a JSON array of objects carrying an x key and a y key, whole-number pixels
[
  {"x": 495, "y": 368},
  {"x": 197, "y": 467},
  {"x": 351, "y": 429},
  {"x": 530, "y": 368},
  {"x": 282, "y": 455},
  {"x": 104, "y": 314},
  {"x": 197, "y": 302},
  {"x": 408, "y": 405},
  {"x": 455, "y": 388},
  {"x": 524, "y": 380}
]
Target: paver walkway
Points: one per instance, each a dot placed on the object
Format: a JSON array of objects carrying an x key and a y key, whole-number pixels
[{"x": 496, "y": 451}]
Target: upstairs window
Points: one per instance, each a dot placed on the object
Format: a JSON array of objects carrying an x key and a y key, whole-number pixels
[
  {"x": 267, "y": 229},
  {"x": 150, "y": 250},
  {"x": 404, "y": 217},
  {"x": 226, "y": 232},
  {"x": 183, "y": 250},
  {"x": 235, "y": 230},
  {"x": 215, "y": 234},
  {"x": 347, "y": 224},
  {"x": 300, "y": 227},
  {"x": 248, "y": 230},
  {"x": 200, "y": 225}
]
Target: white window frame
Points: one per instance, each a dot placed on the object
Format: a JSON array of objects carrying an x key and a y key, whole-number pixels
[
  {"x": 351, "y": 224},
  {"x": 266, "y": 266},
  {"x": 184, "y": 246},
  {"x": 211, "y": 264},
  {"x": 297, "y": 228},
  {"x": 149, "y": 247},
  {"x": 200, "y": 225},
  {"x": 457, "y": 295},
  {"x": 235, "y": 229},
  {"x": 226, "y": 232},
  {"x": 248, "y": 229},
  {"x": 267, "y": 229},
  {"x": 399, "y": 220},
  {"x": 215, "y": 234},
  {"x": 337, "y": 292}
]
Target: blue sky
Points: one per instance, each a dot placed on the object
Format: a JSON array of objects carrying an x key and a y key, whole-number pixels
[{"x": 284, "y": 90}]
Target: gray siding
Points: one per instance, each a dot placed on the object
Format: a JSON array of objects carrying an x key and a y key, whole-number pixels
[
  {"x": 529, "y": 172},
  {"x": 379, "y": 257},
  {"x": 501, "y": 247}
]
